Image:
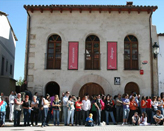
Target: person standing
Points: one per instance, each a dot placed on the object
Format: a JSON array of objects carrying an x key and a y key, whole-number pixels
[
  {"x": 3, "y": 106},
  {"x": 143, "y": 104},
  {"x": 126, "y": 109},
  {"x": 17, "y": 109},
  {"x": 55, "y": 107},
  {"x": 160, "y": 104},
  {"x": 34, "y": 111},
  {"x": 133, "y": 108},
  {"x": 11, "y": 106},
  {"x": 78, "y": 109},
  {"x": 46, "y": 105},
  {"x": 98, "y": 109},
  {"x": 149, "y": 109},
  {"x": 108, "y": 109},
  {"x": 27, "y": 111},
  {"x": 71, "y": 108},
  {"x": 86, "y": 108},
  {"x": 118, "y": 108},
  {"x": 65, "y": 108}
]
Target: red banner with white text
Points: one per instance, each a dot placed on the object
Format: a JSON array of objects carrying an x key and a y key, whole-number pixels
[
  {"x": 73, "y": 56},
  {"x": 112, "y": 56}
]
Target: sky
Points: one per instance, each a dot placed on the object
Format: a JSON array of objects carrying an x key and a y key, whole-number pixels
[{"x": 18, "y": 18}]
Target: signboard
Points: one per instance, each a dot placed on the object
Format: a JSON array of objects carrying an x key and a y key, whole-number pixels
[
  {"x": 117, "y": 80},
  {"x": 73, "y": 56},
  {"x": 141, "y": 72},
  {"x": 144, "y": 62},
  {"x": 112, "y": 56}
]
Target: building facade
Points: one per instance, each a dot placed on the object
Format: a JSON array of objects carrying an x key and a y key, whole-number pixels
[
  {"x": 7, "y": 54},
  {"x": 90, "y": 49},
  {"x": 161, "y": 62}
]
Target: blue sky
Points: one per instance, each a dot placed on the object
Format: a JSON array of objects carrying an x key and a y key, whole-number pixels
[{"x": 18, "y": 19}]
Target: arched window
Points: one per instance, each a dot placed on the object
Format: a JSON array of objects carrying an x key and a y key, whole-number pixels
[
  {"x": 92, "y": 53},
  {"x": 54, "y": 52},
  {"x": 130, "y": 53}
]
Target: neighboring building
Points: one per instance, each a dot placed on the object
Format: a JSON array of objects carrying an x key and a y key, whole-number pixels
[
  {"x": 161, "y": 62},
  {"x": 7, "y": 55},
  {"x": 91, "y": 49}
]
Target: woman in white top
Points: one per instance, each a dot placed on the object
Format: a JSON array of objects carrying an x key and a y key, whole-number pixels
[
  {"x": 46, "y": 105},
  {"x": 143, "y": 120},
  {"x": 154, "y": 103},
  {"x": 71, "y": 108}
]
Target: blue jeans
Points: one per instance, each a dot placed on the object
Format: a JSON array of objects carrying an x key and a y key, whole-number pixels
[
  {"x": 45, "y": 113},
  {"x": 65, "y": 113},
  {"x": 98, "y": 118},
  {"x": 119, "y": 113},
  {"x": 70, "y": 114},
  {"x": 17, "y": 117},
  {"x": 126, "y": 113},
  {"x": 56, "y": 115},
  {"x": 3, "y": 117},
  {"x": 27, "y": 114},
  {"x": 143, "y": 110},
  {"x": 107, "y": 117}
]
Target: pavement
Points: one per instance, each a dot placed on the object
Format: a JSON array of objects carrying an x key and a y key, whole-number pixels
[{"x": 9, "y": 127}]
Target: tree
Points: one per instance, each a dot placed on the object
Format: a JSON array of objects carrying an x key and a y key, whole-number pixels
[{"x": 19, "y": 82}]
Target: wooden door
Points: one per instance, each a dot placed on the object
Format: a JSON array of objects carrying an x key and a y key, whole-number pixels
[
  {"x": 91, "y": 89},
  {"x": 131, "y": 86}
]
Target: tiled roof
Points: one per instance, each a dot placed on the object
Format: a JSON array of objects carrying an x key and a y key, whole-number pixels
[{"x": 91, "y": 7}]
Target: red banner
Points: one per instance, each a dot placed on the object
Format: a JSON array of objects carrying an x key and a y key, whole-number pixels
[
  {"x": 112, "y": 56},
  {"x": 73, "y": 56}
]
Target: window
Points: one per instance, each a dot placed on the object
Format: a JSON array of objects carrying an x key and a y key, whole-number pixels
[
  {"x": 11, "y": 69},
  {"x": 2, "y": 66},
  {"x": 130, "y": 53},
  {"x": 92, "y": 53},
  {"x": 6, "y": 66},
  {"x": 54, "y": 52}
]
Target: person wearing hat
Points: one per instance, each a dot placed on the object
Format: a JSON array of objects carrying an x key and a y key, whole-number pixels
[
  {"x": 46, "y": 105},
  {"x": 89, "y": 120}
]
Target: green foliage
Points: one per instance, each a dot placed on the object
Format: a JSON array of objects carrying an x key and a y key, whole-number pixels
[{"x": 19, "y": 82}]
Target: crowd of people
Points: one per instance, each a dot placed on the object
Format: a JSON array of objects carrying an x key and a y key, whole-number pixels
[{"x": 88, "y": 111}]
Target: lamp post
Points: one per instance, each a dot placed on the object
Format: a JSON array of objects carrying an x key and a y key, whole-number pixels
[{"x": 155, "y": 49}]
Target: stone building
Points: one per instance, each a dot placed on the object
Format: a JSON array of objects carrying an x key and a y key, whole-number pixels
[
  {"x": 161, "y": 62},
  {"x": 91, "y": 49},
  {"x": 7, "y": 55}
]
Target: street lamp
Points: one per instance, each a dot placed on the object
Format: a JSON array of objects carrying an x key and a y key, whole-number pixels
[{"x": 155, "y": 49}]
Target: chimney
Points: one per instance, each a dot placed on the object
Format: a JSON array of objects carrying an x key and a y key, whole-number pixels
[{"x": 129, "y": 3}]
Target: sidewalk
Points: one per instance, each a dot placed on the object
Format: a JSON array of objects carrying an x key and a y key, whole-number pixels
[{"x": 9, "y": 126}]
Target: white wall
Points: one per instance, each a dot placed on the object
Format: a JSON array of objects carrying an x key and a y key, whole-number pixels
[
  {"x": 7, "y": 45},
  {"x": 161, "y": 63},
  {"x": 77, "y": 26}
]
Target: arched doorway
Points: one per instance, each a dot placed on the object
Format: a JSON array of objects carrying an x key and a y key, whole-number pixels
[
  {"x": 52, "y": 88},
  {"x": 91, "y": 89},
  {"x": 131, "y": 86}
]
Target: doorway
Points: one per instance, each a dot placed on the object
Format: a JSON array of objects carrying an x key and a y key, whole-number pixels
[
  {"x": 91, "y": 89},
  {"x": 52, "y": 88}
]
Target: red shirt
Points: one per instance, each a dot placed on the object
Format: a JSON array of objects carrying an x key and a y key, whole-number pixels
[
  {"x": 148, "y": 103},
  {"x": 78, "y": 107}
]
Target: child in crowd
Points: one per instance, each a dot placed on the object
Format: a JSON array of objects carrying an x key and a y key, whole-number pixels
[
  {"x": 143, "y": 119},
  {"x": 89, "y": 120},
  {"x": 136, "y": 119}
]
